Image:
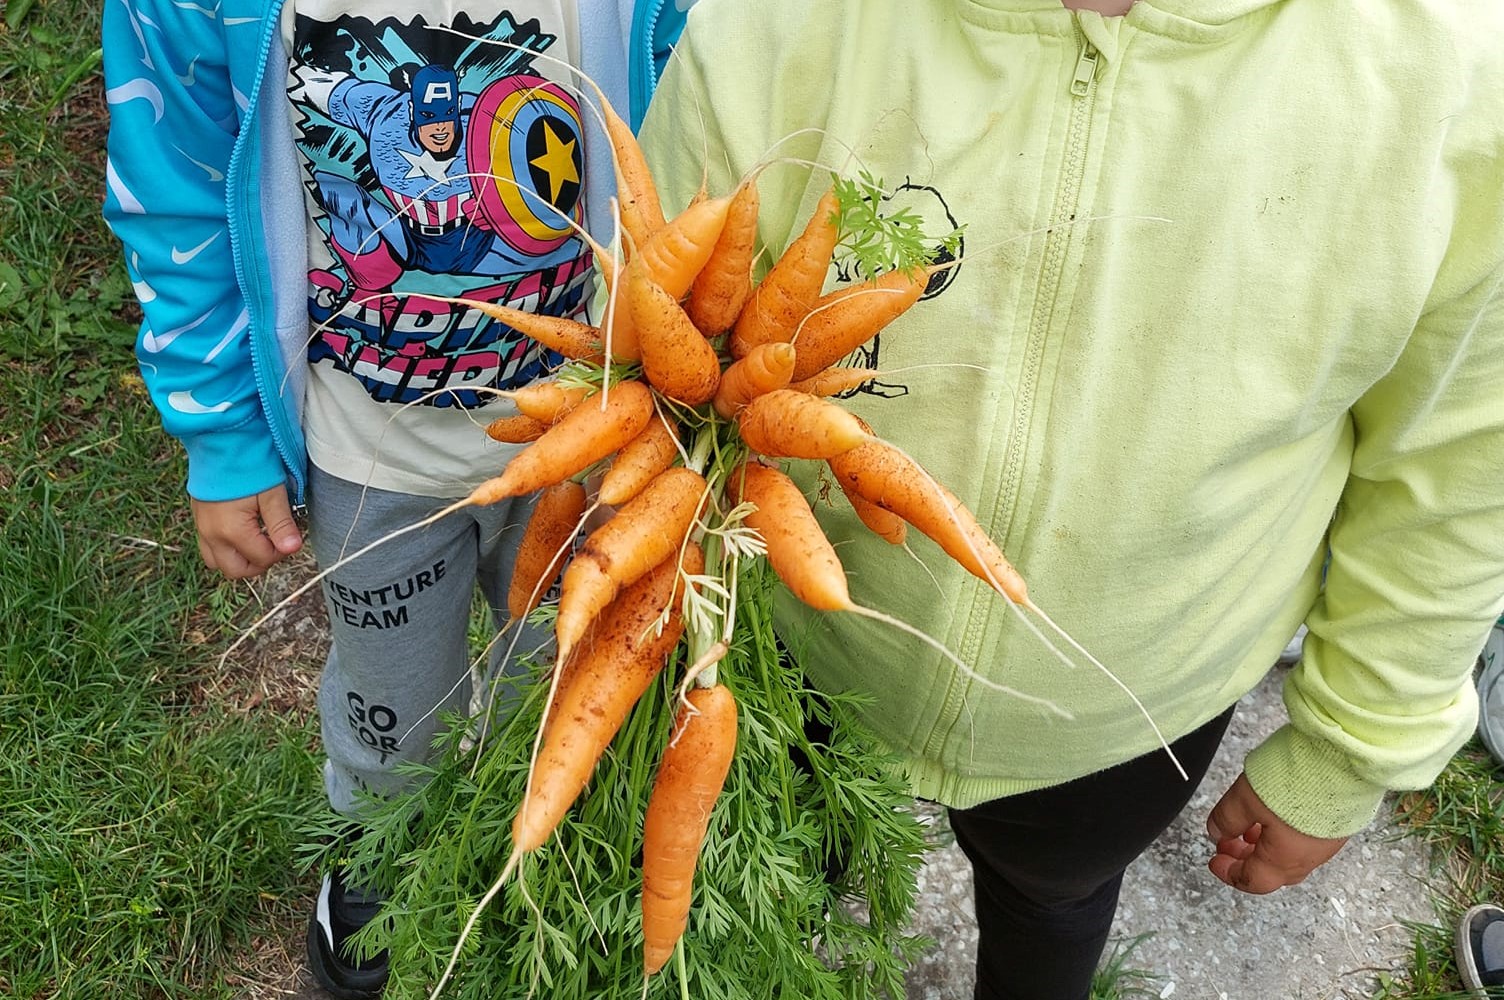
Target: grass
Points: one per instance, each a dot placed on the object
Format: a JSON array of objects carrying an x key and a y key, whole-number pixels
[
  {"x": 152, "y": 804},
  {"x": 150, "y": 819},
  {"x": 1461, "y": 817},
  {"x": 1116, "y": 979}
]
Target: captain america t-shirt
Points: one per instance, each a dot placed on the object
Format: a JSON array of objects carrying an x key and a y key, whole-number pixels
[{"x": 443, "y": 167}]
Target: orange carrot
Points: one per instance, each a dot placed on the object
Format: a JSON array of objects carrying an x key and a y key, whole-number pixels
[
  {"x": 883, "y": 523},
  {"x": 546, "y": 402},
  {"x": 641, "y": 210},
  {"x": 798, "y": 550},
  {"x": 614, "y": 668},
  {"x": 791, "y": 286},
  {"x": 764, "y": 368},
  {"x": 676, "y": 253},
  {"x": 646, "y": 455},
  {"x": 676, "y": 357},
  {"x": 515, "y": 429},
  {"x": 638, "y": 537},
  {"x": 834, "y": 381},
  {"x": 881, "y": 474},
  {"x": 844, "y": 320},
  {"x": 544, "y": 545},
  {"x": 568, "y": 337},
  {"x": 690, "y": 777},
  {"x": 725, "y": 282},
  {"x": 584, "y": 435},
  {"x": 788, "y": 424}
]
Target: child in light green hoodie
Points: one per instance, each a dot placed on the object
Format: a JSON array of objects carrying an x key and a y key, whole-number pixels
[{"x": 1229, "y": 311}]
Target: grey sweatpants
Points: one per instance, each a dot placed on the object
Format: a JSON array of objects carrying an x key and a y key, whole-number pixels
[{"x": 399, "y": 616}]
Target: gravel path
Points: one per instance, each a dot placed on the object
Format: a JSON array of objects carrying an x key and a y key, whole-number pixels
[{"x": 1322, "y": 940}]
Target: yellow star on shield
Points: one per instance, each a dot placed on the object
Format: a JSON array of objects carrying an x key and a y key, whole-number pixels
[{"x": 557, "y": 161}]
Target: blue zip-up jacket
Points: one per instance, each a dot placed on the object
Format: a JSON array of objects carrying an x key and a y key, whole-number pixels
[{"x": 205, "y": 191}]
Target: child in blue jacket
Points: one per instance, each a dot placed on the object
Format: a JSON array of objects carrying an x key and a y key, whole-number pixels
[{"x": 303, "y": 188}]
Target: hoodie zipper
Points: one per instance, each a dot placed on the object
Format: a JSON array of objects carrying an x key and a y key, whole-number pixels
[
  {"x": 642, "y": 70},
  {"x": 1083, "y": 92},
  {"x": 239, "y": 208}
]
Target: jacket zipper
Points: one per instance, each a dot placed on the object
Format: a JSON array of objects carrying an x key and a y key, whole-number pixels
[
  {"x": 1083, "y": 93},
  {"x": 239, "y": 208},
  {"x": 642, "y": 70}
]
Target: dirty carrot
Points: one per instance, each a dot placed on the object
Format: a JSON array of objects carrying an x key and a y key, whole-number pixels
[
  {"x": 584, "y": 435},
  {"x": 646, "y": 455},
  {"x": 792, "y": 285},
  {"x": 881, "y": 474},
  {"x": 519, "y": 428},
  {"x": 640, "y": 535},
  {"x": 544, "y": 545},
  {"x": 547, "y": 402},
  {"x": 641, "y": 209},
  {"x": 834, "y": 381},
  {"x": 763, "y": 369},
  {"x": 676, "y": 357},
  {"x": 842, "y": 321},
  {"x": 883, "y": 523},
  {"x": 690, "y": 777},
  {"x": 624, "y": 655},
  {"x": 788, "y": 424},
  {"x": 797, "y": 548},
  {"x": 725, "y": 282},
  {"x": 568, "y": 337},
  {"x": 676, "y": 253}
]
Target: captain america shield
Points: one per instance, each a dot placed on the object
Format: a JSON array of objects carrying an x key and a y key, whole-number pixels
[{"x": 525, "y": 151}]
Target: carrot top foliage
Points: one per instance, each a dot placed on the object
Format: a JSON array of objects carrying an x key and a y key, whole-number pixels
[
  {"x": 877, "y": 237},
  {"x": 795, "y": 853}
]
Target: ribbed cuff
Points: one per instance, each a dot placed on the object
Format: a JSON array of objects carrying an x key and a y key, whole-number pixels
[
  {"x": 1311, "y": 785},
  {"x": 234, "y": 463}
]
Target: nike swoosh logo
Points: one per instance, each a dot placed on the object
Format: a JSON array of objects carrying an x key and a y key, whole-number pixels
[
  {"x": 215, "y": 176},
  {"x": 184, "y": 256},
  {"x": 153, "y": 342}
]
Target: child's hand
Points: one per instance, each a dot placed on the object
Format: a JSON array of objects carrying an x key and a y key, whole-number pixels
[
  {"x": 241, "y": 538},
  {"x": 1258, "y": 852}
]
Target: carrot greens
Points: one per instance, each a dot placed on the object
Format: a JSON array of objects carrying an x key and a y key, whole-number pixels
[{"x": 804, "y": 888}]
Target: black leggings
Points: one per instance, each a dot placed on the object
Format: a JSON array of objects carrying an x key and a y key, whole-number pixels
[{"x": 1047, "y": 866}]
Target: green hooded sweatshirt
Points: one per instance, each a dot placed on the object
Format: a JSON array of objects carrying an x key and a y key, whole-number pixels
[{"x": 1224, "y": 354}]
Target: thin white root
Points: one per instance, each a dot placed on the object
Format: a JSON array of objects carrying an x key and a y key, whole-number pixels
[
  {"x": 1031, "y": 606},
  {"x": 924, "y": 566},
  {"x": 903, "y": 626},
  {"x": 584, "y": 904},
  {"x": 1126, "y": 690},
  {"x": 706, "y": 664},
  {"x": 501, "y": 880}
]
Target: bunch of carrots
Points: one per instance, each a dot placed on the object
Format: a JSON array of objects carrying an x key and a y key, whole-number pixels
[
  {"x": 699, "y": 382},
  {"x": 669, "y": 428}
]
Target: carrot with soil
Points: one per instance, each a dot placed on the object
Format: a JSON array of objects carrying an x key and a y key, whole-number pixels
[
  {"x": 545, "y": 545},
  {"x": 792, "y": 285},
  {"x": 788, "y": 424},
  {"x": 690, "y": 778},
  {"x": 724, "y": 284},
  {"x": 761, "y": 370},
  {"x": 643, "y": 458},
  {"x": 651, "y": 527},
  {"x": 798, "y": 550},
  {"x": 583, "y": 436}
]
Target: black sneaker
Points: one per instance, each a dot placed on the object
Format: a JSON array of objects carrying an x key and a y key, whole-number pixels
[
  {"x": 342, "y": 910},
  {"x": 1480, "y": 950}
]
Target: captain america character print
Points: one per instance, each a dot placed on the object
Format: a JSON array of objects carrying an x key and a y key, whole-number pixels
[{"x": 439, "y": 166}]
